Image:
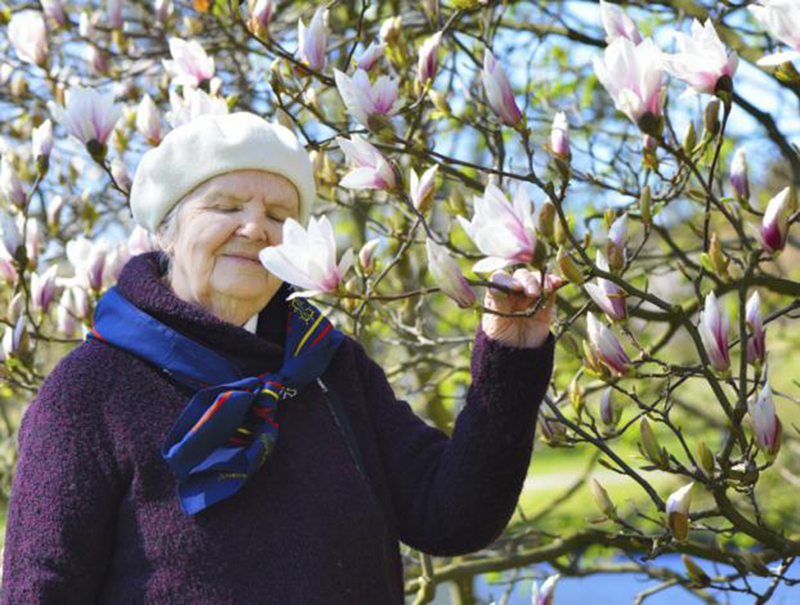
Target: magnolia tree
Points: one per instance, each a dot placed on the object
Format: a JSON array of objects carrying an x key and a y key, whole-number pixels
[{"x": 605, "y": 144}]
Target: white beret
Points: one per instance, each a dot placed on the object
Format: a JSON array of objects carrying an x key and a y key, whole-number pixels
[{"x": 211, "y": 145}]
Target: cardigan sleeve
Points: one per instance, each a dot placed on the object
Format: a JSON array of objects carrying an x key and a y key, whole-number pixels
[
  {"x": 65, "y": 494},
  {"x": 456, "y": 495}
]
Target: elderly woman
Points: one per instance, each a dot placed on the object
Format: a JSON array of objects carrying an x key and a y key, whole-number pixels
[{"x": 149, "y": 467}]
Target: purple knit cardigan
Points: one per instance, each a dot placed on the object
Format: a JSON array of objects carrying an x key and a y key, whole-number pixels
[{"x": 94, "y": 516}]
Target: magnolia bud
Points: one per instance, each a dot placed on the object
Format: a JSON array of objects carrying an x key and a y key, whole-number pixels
[
  {"x": 695, "y": 572},
  {"x": 539, "y": 254},
  {"x": 644, "y": 205},
  {"x": 650, "y": 446},
  {"x": 689, "y": 139},
  {"x": 553, "y": 432},
  {"x": 439, "y": 102},
  {"x": 711, "y": 118},
  {"x": 569, "y": 269},
  {"x": 16, "y": 308},
  {"x": 610, "y": 413},
  {"x": 365, "y": 256},
  {"x": 602, "y": 499},
  {"x": 718, "y": 260},
  {"x": 678, "y": 505},
  {"x": 706, "y": 459},
  {"x": 560, "y": 233},
  {"x": 590, "y": 358},
  {"x": 546, "y": 226},
  {"x": 577, "y": 394}
]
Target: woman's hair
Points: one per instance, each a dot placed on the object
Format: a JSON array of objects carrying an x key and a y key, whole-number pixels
[{"x": 165, "y": 235}]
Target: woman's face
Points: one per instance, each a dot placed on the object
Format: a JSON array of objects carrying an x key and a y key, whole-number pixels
[{"x": 221, "y": 227}]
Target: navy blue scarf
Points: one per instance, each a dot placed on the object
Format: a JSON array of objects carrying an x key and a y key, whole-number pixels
[{"x": 230, "y": 425}]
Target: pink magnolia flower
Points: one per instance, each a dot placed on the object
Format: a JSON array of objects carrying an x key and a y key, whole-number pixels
[
  {"x": 115, "y": 261},
  {"x": 164, "y": 9},
  {"x": 312, "y": 42},
  {"x": 193, "y": 103},
  {"x": 559, "y": 136},
  {"x": 43, "y": 139},
  {"x": 714, "y": 333},
  {"x": 139, "y": 241},
  {"x": 55, "y": 10},
  {"x": 54, "y": 208},
  {"x": 618, "y": 24},
  {"x": 364, "y": 99},
  {"x": 608, "y": 348},
  {"x": 678, "y": 507},
  {"x": 307, "y": 258},
  {"x": 190, "y": 65},
  {"x": 115, "y": 13},
  {"x": 767, "y": 427},
  {"x": 260, "y": 15},
  {"x": 498, "y": 91},
  {"x": 10, "y": 235},
  {"x": 370, "y": 57},
  {"x": 421, "y": 189},
  {"x": 756, "y": 348},
  {"x": 781, "y": 18},
  {"x": 609, "y": 412},
  {"x": 33, "y": 233},
  {"x": 86, "y": 25},
  {"x": 546, "y": 594},
  {"x": 739, "y": 180},
  {"x": 97, "y": 59},
  {"x": 633, "y": 74},
  {"x": 148, "y": 120},
  {"x": 121, "y": 175},
  {"x": 28, "y": 35},
  {"x": 89, "y": 261},
  {"x": 775, "y": 224},
  {"x": 366, "y": 253},
  {"x": 504, "y": 232},
  {"x": 428, "y": 60},
  {"x": 14, "y": 338},
  {"x": 11, "y": 187},
  {"x": 66, "y": 313},
  {"x": 372, "y": 170},
  {"x": 89, "y": 116},
  {"x": 606, "y": 294},
  {"x": 448, "y": 275},
  {"x": 43, "y": 288},
  {"x": 703, "y": 61}
]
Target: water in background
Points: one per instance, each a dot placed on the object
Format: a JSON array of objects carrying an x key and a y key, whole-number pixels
[{"x": 622, "y": 589}]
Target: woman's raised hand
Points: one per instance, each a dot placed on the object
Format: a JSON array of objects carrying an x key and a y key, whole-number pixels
[{"x": 526, "y": 290}]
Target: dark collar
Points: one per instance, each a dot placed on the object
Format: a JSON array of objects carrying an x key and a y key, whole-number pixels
[{"x": 140, "y": 282}]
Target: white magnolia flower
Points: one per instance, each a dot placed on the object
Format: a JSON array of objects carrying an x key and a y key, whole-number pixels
[
  {"x": 714, "y": 333},
  {"x": 703, "y": 61},
  {"x": 364, "y": 99},
  {"x": 192, "y": 104},
  {"x": 307, "y": 258},
  {"x": 781, "y": 18},
  {"x": 312, "y": 41},
  {"x": 28, "y": 36},
  {"x": 89, "y": 116},
  {"x": 618, "y": 24},
  {"x": 633, "y": 74},
  {"x": 372, "y": 170},
  {"x": 504, "y": 232},
  {"x": 190, "y": 65},
  {"x": 448, "y": 276}
]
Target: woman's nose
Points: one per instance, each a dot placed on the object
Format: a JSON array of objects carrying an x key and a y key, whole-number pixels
[{"x": 254, "y": 226}]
